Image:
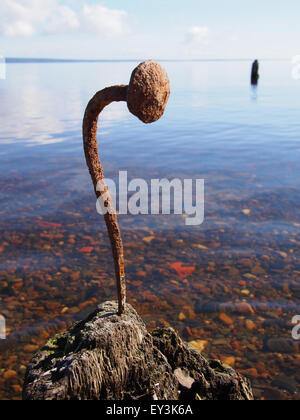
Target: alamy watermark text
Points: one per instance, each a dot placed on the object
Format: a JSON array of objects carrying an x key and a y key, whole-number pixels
[
  {"x": 296, "y": 329},
  {"x": 2, "y": 68},
  {"x": 2, "y": 328},
  {"x": 296, "y": 67},
  {"x": 159, "y": 196}
]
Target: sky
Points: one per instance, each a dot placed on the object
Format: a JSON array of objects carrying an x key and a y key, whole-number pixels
[{"x": 157, "y": 29}]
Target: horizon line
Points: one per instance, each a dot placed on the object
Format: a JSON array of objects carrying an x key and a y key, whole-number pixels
[{"x": 16, "y": 60}]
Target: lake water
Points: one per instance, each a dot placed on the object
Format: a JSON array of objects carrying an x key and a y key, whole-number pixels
[{"x": 241, "y": 289}]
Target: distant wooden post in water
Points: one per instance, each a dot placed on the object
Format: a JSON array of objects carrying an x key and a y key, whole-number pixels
[{"x": 255, "y": 73}]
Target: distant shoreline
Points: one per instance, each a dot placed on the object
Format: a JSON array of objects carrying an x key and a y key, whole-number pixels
[{"x": 14, "y": 60}]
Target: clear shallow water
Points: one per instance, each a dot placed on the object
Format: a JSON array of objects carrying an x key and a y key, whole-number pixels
[{"x": 243, "y": 142}]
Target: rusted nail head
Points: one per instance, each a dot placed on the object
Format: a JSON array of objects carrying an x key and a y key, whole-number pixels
[{"x": 148, "y": 92}]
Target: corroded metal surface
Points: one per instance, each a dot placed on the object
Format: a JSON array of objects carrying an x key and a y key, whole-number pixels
[
  {"x": 148, "y": 92},
  {"x": 147, "y": 97},
  {"x": 90, "y": 127}
]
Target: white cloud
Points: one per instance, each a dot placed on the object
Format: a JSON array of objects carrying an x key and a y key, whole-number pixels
[
  {"x": 234, "y": 38},
  {"x": 198, "y": 35},
  {"x": 63, "y": 21},
  {"x": 19, "y": 28},
  {"x": 21, "y": 17},
  {"x": 29, "y": 17},
  {"x": 98, "y": 19}
]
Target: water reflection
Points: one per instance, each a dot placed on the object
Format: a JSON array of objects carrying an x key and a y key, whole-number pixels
[
  {"x": 35, "y": 115},
  {"x": 55, "y": 259},
  {"x": 254, "y": 92}
]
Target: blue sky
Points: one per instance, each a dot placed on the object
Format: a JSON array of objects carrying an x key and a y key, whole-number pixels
[{"x": 138, "y": 29}]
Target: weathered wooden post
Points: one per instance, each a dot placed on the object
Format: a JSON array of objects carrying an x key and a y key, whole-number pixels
[{"x": 255, "y": 73}]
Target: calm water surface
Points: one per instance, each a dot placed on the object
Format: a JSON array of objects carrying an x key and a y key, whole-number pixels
[{"x": 241, "y": 289}]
